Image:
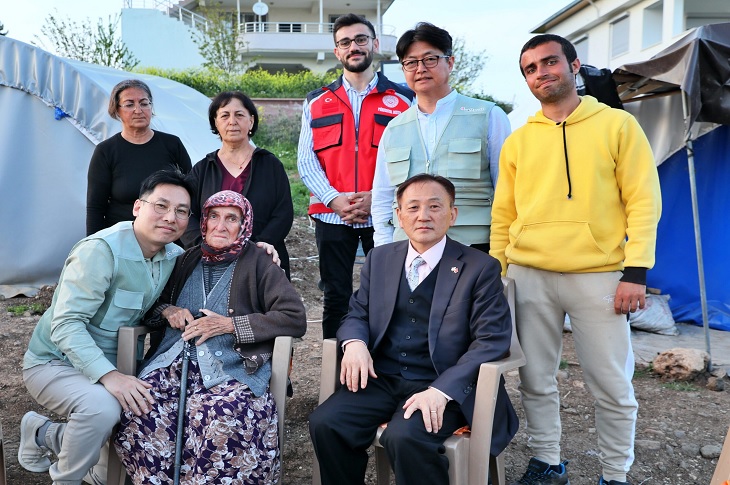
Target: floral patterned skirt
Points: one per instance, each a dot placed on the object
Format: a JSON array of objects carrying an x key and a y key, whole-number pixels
[{"x": 231, "y": 436}]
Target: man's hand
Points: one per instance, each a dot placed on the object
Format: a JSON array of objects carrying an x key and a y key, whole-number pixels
[
  {"x": 432, "y": 404},
  {"x": 270, "y": 250},
  {"x": 629, "y": 297},
  {"x": 177, "y": 317},
  {"x": 208, "y": 326},
  {"x": 356, "y": 366},
  {"x": 359, "y": 208},
  {"x": 132, "y": 393},
  {"x": 339, "y": 204}
]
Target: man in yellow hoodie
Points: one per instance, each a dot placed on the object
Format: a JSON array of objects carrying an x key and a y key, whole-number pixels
[{"x": 574, "y": 223}]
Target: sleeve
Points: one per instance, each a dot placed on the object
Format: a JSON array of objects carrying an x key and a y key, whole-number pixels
[
  {"x": 191, "y": 237},
  {"x": 81, "y": 292},
  {"x": 310, "y": 170},
  {"x": 499, "y": 130},
  {"x": 356, "y": 323},
  {"x": 283, "y": 314},
  {"x": 282, "y": 213},
  {"x": 638, "y": 181},
  {"x": 183, "y": 159},
  {"x": 382, "y": 197},
  {"x": 98, "y": 192},
  {"x": 504, "y": 212}
]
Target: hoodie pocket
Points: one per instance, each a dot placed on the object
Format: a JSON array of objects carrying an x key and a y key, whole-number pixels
[
  {"x": 398, "y": 163},
  {"x": 564, "y": 246},
  {"x": 326, "y": 132},
  {"x": 465, "y": 158}
]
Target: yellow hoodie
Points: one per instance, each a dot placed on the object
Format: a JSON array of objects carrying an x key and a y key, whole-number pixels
[{"x": 569, "y": 194}]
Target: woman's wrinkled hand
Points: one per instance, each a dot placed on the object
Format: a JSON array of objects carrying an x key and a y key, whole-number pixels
[
  {"x": 177, "y": 317},
  {"x": 208, "y": 326}
]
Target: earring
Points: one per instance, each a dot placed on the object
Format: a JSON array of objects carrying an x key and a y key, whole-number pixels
[{"x": 249, "y": 132}]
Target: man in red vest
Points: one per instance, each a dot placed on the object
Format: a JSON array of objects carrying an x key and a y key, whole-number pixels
[{"x": 341, "y": 128}]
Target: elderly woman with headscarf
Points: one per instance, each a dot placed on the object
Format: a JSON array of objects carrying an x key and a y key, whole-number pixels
[
  {"x": 120, "y": 163},
  {"x": 243, "y": 301}
]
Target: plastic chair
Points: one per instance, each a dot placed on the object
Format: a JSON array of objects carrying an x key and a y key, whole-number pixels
[
  {"x": 467, "y": 452},
  {"x": 127, "y": 364},
  {"x": 722, "y": 470},
  {"x": 3, "y": 477}
]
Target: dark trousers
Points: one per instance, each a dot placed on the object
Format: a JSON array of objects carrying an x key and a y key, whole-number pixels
[
  {"x": 344, "y": 426},
  {"x": 337, "y": 246}
]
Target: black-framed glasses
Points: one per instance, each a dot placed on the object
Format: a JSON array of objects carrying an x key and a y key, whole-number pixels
[
  {"x": 428, "y": 62},
  {"x": 161, "y": 207},
  {"x": 359, "y": 40}
]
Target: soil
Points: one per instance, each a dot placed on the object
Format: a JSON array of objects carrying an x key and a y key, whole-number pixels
[{"x": 678, "y": 425}]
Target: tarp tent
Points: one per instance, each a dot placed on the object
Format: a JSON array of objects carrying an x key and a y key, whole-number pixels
[
  {"x": 53, "y": 115},
  {"x": 694, "y": 70}
]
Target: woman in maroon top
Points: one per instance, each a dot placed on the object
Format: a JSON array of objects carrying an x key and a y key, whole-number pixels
[{"x": 242, "y": 167}]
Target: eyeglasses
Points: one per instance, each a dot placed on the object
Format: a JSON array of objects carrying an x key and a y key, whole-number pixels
[
  {"x": 160, "y": 207},
  {"x": 229, "y": 220},
  {"x": 143, "y": 105},
  {"x": 359, "y": 40},
  {"x": 428, "y": 62}
]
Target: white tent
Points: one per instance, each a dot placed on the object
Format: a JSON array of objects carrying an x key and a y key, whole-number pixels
[{"x": 53, "y": 112}]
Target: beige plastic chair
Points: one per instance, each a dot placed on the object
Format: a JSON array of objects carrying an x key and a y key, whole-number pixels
[
  {"x": 3, "y": 477},
  {"x": 467, "y": 452},
  {"x": 722, "y": 470},
  {"x": 127, "y": 364}
]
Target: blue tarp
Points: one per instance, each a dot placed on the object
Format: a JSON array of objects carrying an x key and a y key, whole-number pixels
[{"x": 675, "y": 272}]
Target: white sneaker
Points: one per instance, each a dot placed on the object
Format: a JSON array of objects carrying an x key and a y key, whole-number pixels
[{"x": 32, "y": 457}]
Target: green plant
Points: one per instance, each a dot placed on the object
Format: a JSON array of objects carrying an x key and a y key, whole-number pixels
[
  {"x": 563, "y": 364},
  {"x": 644, "y": 370},
  {"x": 33, "y": 308},
  {"x": 679, "y": 386}
]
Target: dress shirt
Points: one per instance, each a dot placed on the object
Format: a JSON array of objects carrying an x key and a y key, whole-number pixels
[
  {"x": 432, "y": 127},
  {"x": 431, "y": 256},
  {"x": 310, "y": 170}
]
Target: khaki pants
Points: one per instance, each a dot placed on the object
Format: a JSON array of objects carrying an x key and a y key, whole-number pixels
[
  {"x": 91, "y": 413},
  {"x": 603, "y": 346}
]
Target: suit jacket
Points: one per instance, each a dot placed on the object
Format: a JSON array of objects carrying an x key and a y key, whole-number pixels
[{"x": 469, "y": 321}]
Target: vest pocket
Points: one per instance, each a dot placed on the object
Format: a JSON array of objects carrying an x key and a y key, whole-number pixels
[
  {"x": 326, "y": 132},
  {"x": 125, "y": 306},
  {"x": 465, "y": 158},
  {"x": 398, "y": 162},
  {"x": 381, "y": 121}
]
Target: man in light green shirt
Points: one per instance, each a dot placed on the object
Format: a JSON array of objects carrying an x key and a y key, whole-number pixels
[{"x": 109, "y": 280}]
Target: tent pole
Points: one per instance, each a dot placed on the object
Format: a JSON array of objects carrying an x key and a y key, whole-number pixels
[{"x": 696, "y": 219}]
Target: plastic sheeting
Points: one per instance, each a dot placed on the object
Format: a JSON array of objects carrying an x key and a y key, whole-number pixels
[
  {"x": 53, "y": 115},
  {"x": 675, "y": 271}
]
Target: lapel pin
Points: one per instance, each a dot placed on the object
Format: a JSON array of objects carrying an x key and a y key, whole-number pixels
[{"x": 454, "y": 269}]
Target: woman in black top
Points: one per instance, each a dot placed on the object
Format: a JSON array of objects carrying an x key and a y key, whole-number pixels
[
  {"x": 241, "y": 167},
  {"x": 120, "y": 164}
]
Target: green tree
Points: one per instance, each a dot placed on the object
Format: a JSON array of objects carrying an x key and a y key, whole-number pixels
[
  {"x": 97, "y": 44},
  {"x": 218, "y": 41},
  {"x": 468, "y": 65}
]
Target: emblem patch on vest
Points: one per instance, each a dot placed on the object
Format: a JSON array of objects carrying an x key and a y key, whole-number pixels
[{"x": 390, "y": 101}]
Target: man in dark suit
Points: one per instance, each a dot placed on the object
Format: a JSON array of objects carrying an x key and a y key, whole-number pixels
[{"x": 428, "y": 313}]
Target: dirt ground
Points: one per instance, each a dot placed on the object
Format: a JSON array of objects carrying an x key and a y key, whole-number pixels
[{"x": 679, "y": 433}]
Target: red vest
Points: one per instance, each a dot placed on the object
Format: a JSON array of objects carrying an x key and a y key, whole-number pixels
[{"x": 347, "y": 155}]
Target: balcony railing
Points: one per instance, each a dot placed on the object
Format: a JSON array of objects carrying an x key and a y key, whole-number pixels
[
  {"x": 297, "y": 27},
  {"x": 172, "y": 10}
]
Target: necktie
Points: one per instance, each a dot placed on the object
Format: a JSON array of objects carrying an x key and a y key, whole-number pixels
[{"x": 413, "y": 272}]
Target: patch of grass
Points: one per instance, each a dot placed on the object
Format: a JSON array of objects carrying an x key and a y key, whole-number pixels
[
  {"x": 33, "y": 308},
  {"x": 679, "y": 386},
  {"x": 563, "y": 364},
  {"x": 644, "y": 370}
]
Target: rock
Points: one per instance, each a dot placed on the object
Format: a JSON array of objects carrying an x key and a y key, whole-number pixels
[
  {"x": 710, "y": 451},
  {"x": 680, "y": 434},
  {"x": 681, "y": 364},
  {"x": 562, "y": 376},
  {"x": 591, "y": 430},
  {"x": 579, "y": 384},
  {"x": 654, "y": 432},
  {"x": 715, "y": 384},
  {"x": 690, "y": 449},
  {"x": 719, "y": 372},
  {"x": 648, "y": 444},
  {"x": 669, "y": 450}
]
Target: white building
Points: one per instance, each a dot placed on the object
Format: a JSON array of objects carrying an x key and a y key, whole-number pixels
[
  {"x": 289, "y": 35},
  {"x": 610, "y": 33}
]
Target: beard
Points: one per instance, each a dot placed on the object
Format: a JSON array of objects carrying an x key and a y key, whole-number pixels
[
  {"x": 562, "y": 88},
  {"x": 358, "y": 66}
]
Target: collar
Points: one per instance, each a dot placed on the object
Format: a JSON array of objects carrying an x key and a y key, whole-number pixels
[
  {"x": 432, "y": 256},
  {"x": 371, "y": 85},
  {"x": 445, "y": 104}
]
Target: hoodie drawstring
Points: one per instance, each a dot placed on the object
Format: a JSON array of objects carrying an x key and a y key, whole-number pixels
[{"x": 567, "y": 165}]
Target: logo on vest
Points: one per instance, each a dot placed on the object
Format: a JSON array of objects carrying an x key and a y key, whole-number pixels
[
  {"x": 390, "y": 101},
  {"x": 328, "y": 100},
  {"x": 464, "y": 108}
]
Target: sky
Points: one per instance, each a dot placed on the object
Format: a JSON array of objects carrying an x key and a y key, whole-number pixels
[{"x": 497, "y": 27}]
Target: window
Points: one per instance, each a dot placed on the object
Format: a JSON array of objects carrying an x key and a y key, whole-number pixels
[
  {"x": 581, "y": 48},
  {"x": 620, "y": 36},
  {"x": 693, "y": 21},
  {"x": 651, "y": 32}
]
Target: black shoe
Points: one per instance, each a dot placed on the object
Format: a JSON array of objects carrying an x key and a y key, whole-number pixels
[
  {"x": 539, "y": 473},
  {"x": 602, "y": 481}
]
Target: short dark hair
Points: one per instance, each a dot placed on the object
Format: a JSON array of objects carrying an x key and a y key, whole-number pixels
[
  {"x": 161, "y": 177},
  {"x": 538, "y": 40},
  {"x": 117, "y": 91},
  {"x": 428, "y": 33},
  {"x": 350, "y": 19},
  {"x": 223, "y": 99},
  {"x": 423, "y": 178}
]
